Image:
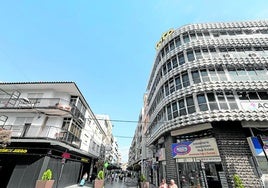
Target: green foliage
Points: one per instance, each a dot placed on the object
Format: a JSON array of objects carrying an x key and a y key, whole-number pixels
[
  {"x": 101, "y": 175},
  {"x": 238, "y": 182},
  {"x": 143, "y": 178},
  {"x": 47, "y": 175}
]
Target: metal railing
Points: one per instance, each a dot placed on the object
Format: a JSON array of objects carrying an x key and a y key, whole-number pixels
[{"x": 47, "y": 132}]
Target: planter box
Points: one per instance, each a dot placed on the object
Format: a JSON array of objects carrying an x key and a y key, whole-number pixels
[
  {"x": 144, "y": 184},
  {"x": 98, "y": 183},
  {"x": 44, "y": 183}
]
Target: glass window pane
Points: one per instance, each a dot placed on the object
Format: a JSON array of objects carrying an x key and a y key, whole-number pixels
[
  {"x": 253, "y": 95},
  {"x": 190, "y": 55},
  {"x": 263, "y": 95},
  {"x": 196, "y": 77},
  {"x": 185, "y": 80},
  {"x": 181, "y": 58}
]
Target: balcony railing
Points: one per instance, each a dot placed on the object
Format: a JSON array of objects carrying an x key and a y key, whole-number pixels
[
  {"x": 46, "y": 105},
  {"x": 48, "y": 132}
]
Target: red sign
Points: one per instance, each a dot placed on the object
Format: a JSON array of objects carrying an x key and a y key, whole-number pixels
[{"x": 66, "y": 155}]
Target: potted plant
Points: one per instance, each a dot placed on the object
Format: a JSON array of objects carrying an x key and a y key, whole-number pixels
[
  {"x": 99, "y": 181},
  {"x": 238, "y": 182},
  {"x": 46, "y": 181},
  {"x": 143, "y": 182}
]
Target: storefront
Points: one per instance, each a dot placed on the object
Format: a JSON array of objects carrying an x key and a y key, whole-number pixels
[{"x": 198, "y": 163}]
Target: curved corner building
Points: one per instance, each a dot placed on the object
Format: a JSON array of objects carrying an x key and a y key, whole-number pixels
[{"x": 207, "y": 105}]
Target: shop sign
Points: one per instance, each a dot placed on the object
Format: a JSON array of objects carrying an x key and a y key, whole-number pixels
[
  {"x": 256, "y": 145},
  {"x": 161, "y": 154},
  {"x": 196, "y": 148},
  {"x": 5, "y": 150},
  {"x": 163, "y": 38},
  {"x": 84, "y": 160},
  {"x": 254, "y": 105},
  {"x": 66, "y": 155}
]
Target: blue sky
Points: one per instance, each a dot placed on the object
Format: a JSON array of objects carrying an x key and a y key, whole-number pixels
[{"x": 106, "y": 47}]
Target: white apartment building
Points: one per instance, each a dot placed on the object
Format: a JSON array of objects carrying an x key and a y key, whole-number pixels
[{"x": 52, "y": 127}]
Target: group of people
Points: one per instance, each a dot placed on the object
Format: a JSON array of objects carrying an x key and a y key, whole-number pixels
[{"x": 172, "y": 184}]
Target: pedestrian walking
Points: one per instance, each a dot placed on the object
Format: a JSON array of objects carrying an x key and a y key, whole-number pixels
[
  {"x": 172, "y": 184},
  {"x": 163, "y": 184},
  {"x": 83, "y": 180}
]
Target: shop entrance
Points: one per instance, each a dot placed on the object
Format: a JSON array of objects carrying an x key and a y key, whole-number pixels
[{"x": 199, "y": 175}]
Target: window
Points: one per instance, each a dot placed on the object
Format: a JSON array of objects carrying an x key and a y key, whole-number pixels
[
  {"x": 212, "y": 102},
  {"x": 185, "y": 80},
  {"x": 185, "y": 37},
  {"x": 222, "y": 101},
  {"x": 204, "y": 75},
  {"x": 181, "y": 58},
  {"x": 174, "y": 62},
  {"x": 190, "y": 55},
  {"x": 190, "y": 105},
  {"x": 171, "y": 45},
  {"x": 175, "y": 109},
  {"x": 202, "y": 102},
  {"x": 178, "y": 41},
  {"x": 263, "y": 95},
  {"x": 178, "y": 82},
  {"x": 198, "y": 54},
  {"x": 169, "y": 113},
  {"x": 196, "y": 77},
  {"x": 231, "y": 100},
  {"x": 182, "y": 107},
  {"x": 213, "y": 75},
  {"x": 192, "y": 35},
  {"x": 171, "y": 85},
  {"x": 169, "y": 67}
]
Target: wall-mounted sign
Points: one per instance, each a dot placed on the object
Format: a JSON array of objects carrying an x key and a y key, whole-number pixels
[
  {"x": 254, "y": 105},
  {"x": 163, "y": 38},
  {"x": 84, "y": 160},
  {"x": 197, "y": 148},
  {"x": 5, "y": 150}
]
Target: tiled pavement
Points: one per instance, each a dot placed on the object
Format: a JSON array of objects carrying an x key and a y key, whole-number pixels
[{"x": 109, "y": 185}]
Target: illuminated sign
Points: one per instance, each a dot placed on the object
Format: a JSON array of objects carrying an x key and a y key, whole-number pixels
[
  {"x": 13, "y": 150},
  {"x": 84, "y": 160},
  {"x": 163, "y": 38}
]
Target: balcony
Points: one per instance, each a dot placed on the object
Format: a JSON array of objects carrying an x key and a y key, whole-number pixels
[
  {"x": 47, "y": 132},
  {"x": 48, "y": 106}
]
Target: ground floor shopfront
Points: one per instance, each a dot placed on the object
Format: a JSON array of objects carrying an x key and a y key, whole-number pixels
[
  {"x": 210, "y": 155},
  {"x": 21, "y": 164}
]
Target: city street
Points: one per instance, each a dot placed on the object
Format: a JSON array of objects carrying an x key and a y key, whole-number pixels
[{"x": 107, "y": 185}]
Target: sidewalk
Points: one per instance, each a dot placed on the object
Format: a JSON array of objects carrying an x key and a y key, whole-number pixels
[{"x": 109, "y": 185}]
